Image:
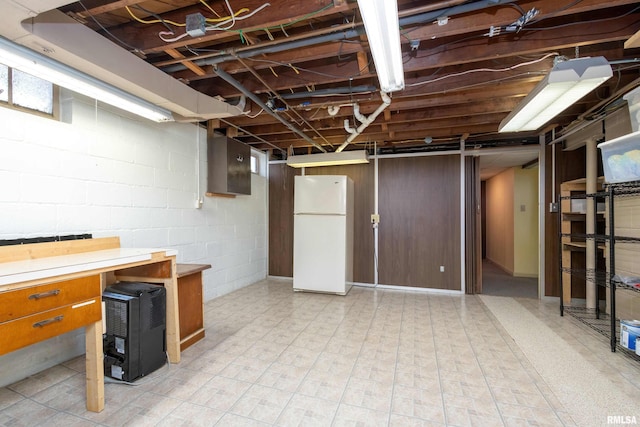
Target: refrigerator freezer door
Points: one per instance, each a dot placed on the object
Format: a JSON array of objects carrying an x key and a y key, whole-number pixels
[
  {"x": 320, "y": 194},
  {"x": 319, "y": 253}
]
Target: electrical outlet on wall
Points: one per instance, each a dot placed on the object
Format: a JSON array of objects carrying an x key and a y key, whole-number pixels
[{"x": 442, "y": 269}]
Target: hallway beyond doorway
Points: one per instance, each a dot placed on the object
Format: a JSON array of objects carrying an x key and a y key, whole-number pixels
[{"x": 498, "y": 283}]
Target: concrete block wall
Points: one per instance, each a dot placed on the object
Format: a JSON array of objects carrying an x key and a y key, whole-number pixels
[{"x": 104, "y": 172}]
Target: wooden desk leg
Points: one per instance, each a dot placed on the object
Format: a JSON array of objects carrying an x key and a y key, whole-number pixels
[
  {"x": 173, "y": 315},
  {"x": 94, "y": 367}
]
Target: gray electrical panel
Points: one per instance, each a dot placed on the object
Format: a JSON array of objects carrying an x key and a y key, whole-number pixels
[{"x": 228, "y": 166}]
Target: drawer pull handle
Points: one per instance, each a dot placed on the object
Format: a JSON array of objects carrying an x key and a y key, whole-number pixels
[
  {"x": 48, "y": 321},
  {"x": 45, "y": 294}
]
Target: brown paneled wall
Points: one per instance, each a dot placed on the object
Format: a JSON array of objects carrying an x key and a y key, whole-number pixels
[
  {"x": 420, "y": 221},
  {"x": 419, "y": 225},
  {"x": 281, "y": 219}
]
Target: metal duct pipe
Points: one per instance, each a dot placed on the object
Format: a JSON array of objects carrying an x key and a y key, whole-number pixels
[
  {"x": 233, "y": 82},
  {"x": 330, "y": 91},
  {"x": 341, "y": 35},
  {"x": 367, "y": 120},
  {"x": 420, "y": 18}
]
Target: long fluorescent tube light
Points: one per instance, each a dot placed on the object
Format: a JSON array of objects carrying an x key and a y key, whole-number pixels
[
  {"x": 566, "y": 83},
  {"x": 328, "y": 159},
  {"x": 31, "y": 62},
  {"x": 380, "y": 19}
]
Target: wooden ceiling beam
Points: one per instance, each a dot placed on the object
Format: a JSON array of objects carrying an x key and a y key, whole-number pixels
[
  {"x": 106, "y": 8},
  {"x": 532, "y": 42},
  {"x": 478, "y": 56},
  {"x": 399, "y": 118},
  {"x": 398, "y": 137},
  {"x": 479, "y": 22},
  {"x": 297, "y": 12},
  {"x": 435, "y": 102}
]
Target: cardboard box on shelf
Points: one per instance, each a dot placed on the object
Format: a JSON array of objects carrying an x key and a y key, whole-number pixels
[{"x": 629, "y": 333}]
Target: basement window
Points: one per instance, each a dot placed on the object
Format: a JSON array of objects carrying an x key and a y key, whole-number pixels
[
  {"x": 254, "y": 164},
  {"x": 25, "y": 92}
]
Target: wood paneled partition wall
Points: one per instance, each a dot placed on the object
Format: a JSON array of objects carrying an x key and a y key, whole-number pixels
[
  {"x": 281, "y": 219},
  {"x": 419, "y": 203},
  {"x": 281, "y": 181},
  {"x": 420, "y": 221}
]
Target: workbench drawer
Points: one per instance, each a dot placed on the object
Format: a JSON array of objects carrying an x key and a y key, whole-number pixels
[
  {"x": 24, "y": 302},
  {"x": 28, "y": 330}
]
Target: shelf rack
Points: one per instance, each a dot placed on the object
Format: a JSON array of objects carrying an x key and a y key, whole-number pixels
[{"x": 607, "y": 243}]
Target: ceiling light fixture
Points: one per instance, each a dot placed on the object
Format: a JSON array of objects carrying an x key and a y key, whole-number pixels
[
  {"x": 329, "y": 159},
  {"x": 566, "y": 83},
  {"x": 31, "y": 62},
  {"x": 380, "y": 19}
]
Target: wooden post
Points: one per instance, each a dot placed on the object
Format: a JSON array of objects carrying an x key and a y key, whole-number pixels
[
  {"x": 94, "y": 367},
  {"x": 173, "y": 315}
]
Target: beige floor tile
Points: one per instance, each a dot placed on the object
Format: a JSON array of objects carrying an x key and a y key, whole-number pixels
[
  {"x": 9, "y": 397},
  {"x": 77, "y": 364},
  {"x": 63, "y": 419},
  {"x": 220, "y": 393},
  {"x": 298, "y": 357},
  {"x": 282, "y": 377},
  {"x": 307, "y": 411},
  {"x": 368, "y": 394},
  {"x": 352, "y": 416},
  {"x": 26, "y": 413},
  {"x": 374, "y": 357},
  {"x": 245, "y": 368},
  {"x": 382, "y": 353},
  {"x": 418, "y": 403},
  {"x": 211, "y": 362},
  {"x": 261, "y": 403},
  {"x": 180, "y": 384},
  {"x": 336, "y": 364},
  {"x": 64, "y": 395},
  {"x": 311, "y": 341},
  {"x": 412, "y": 362},
  {"x": 404, "y": 421},
  {"x": 343, "y": 346},
  {"x": 375, "y": 369},
  {"x": 266, "y": 351},
  {"x": 323, "y": 385},
  {"x": 188, "y": 414},
  {"x": 42, "y": 380}
]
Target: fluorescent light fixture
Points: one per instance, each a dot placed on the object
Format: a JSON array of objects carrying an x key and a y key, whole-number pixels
[
  {"x": 566, "y": 83},
  {"x": 329, "y": 159},
  {"x": 31, "y": 62},
  {"x": 380, "y": 19}
]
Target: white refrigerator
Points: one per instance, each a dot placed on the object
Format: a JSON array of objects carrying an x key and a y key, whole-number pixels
[{"x": 323, "y": 234}]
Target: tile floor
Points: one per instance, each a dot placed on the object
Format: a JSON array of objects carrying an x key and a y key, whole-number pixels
[{"x": 275, "y": 357}]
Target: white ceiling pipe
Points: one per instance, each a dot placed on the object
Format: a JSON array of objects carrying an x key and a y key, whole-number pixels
[
  {"x": 386, "y": 100},
  {"x": 347, "y": 127},
  {"x": 358, "y": 114}
]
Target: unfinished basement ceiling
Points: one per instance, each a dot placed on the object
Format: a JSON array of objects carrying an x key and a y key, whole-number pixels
[{"x": 466, "y": 67}]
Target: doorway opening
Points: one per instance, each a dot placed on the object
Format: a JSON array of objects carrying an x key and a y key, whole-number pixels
[{"x": 509, "y": 224}]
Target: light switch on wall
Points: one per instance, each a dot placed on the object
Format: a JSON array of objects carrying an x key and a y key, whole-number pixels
[{"x": 523, "y": 208}]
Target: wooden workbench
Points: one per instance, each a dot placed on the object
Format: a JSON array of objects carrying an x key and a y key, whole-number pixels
[{"x": 47, "y": 289}]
